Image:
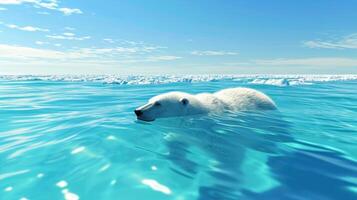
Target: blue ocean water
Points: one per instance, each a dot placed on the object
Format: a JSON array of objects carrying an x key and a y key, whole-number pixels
[{"x": 76, "y": 137}]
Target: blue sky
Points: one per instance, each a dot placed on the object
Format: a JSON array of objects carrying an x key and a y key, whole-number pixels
[{"x": 178, "y": 36}]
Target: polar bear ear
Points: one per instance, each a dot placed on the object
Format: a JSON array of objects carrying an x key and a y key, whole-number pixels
[{"x": 184, "y": 101}]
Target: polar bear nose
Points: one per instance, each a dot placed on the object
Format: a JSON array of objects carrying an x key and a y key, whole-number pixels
[{"x": 138, "y": 112}]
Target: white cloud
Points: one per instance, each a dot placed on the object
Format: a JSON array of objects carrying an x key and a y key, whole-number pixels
[
  {"x": 51, "y": 4},
  {"x": 26, "y": 28},
  {"x": 38, "y": 58},
  {"x": 144, "y": 47},
  {"x": 131, "y": 42},
  {"x": 110, "y": 51},
  {"x": 162, "y": 58},
  {"x": 109, "y": 40},
  {"x": 117, "y": 54},
  {"x": 310, "y": 62},
  {"x": 40, "y": 43},
  {"x": 3, "y": 9},
  {"x": 11, "y": 2},
  {"x": 19, "y": 52},
  {"x": 346, "y": 42},
  {"x": 68, "y": 36},
  {"x": 70, "y": 11},
  {"x": 69, "y": 28},
  {"x": 30, "y": 53},
  {"x": 47, "y": 4},
  {"x": 213, "y": 53}
]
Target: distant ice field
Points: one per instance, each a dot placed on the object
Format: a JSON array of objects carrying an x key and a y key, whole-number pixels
[{"x": 278, "y": 80}]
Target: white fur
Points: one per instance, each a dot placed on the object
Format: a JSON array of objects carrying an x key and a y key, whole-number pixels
[{"x": 174, "y": 104}]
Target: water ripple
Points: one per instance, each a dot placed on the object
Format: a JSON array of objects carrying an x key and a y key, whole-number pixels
[{"x": 76, "y": 138}]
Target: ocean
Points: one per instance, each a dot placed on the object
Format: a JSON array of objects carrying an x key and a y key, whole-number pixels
[{"x": 77, "y": 137}]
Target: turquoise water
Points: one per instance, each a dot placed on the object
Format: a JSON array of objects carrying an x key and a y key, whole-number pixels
[{"x": 77, "y": 138}]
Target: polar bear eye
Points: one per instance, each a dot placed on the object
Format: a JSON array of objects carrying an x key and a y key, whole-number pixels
[
  {"x": 157, "y": 103},
  {"x": 184, "y": 101}
]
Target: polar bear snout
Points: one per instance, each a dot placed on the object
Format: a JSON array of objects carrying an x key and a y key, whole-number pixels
[
  {"x": 145, "y": 112},
  {"x": 138, "y": 112},
  {"x": 143, "y": 115}
]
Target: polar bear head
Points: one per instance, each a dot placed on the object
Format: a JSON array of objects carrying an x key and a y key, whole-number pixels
[{"x": 172, "y": 104}]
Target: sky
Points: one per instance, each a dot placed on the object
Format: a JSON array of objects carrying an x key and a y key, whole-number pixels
[{"x": 178, "y": 37}]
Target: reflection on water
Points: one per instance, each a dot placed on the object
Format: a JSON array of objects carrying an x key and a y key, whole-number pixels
[
  {"x": 61, "y": 140},
  {"x": 236, "y": 155},
  {"x": 232, "y": 174}
]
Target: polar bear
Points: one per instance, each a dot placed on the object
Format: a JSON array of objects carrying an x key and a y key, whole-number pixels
[{"x": 176, "y": 104}]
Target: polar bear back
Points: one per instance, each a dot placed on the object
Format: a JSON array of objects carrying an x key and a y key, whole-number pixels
[
  {"x": 211, "y": 102},
  {"x": 245, "y": 99}
]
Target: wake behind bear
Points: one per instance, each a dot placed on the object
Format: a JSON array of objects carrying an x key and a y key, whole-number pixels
[{"x": 178, "y": 104}]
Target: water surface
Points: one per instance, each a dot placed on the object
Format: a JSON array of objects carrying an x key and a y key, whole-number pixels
[{"x": 77, "y": 138}]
